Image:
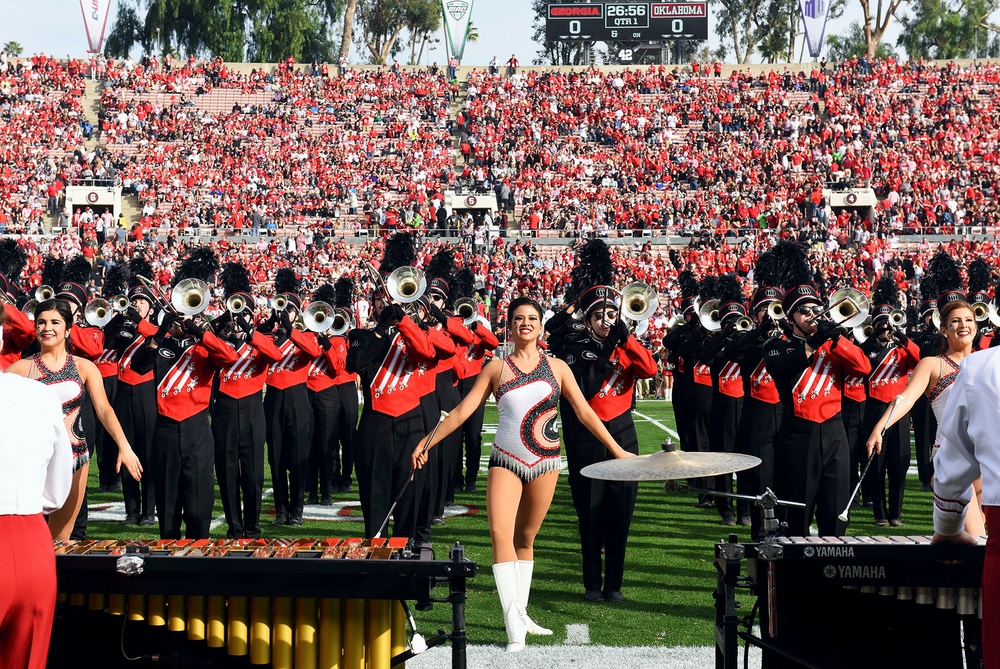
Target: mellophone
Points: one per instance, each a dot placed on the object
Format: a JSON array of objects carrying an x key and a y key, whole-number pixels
[
  {"x": 851, "y": 602},
  {"x": 300, "y": 603}
]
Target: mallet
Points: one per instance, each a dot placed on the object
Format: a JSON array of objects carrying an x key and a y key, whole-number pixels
[{"x": 871, "y": 458}]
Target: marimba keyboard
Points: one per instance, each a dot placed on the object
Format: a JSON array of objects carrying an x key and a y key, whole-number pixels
[
  {"x": 299, "y": 603},
  {"x": 852, "y": 601}
]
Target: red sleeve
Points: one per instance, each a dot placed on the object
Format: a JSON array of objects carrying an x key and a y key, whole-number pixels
[
  {"x": 306, "y": 341},
  {"x": 852, "y": 357},
  {"x": 911, "y": 354},
  {"x": 444, "y": 346},
  {"x": 487, "y": 340},
  {"x": 337, "y": 359},
  {"x": 265, "y": 344},
  {"x": 19, "y": 330},
  {"x": 460, "y": 333},
  {"x": 219, "y": 352},
  {"x": 416, "y": 339},
  {"x": 87, "y": 342},
  {"x": 640, "y": 357},
  {"x": 146, "y": 329}
]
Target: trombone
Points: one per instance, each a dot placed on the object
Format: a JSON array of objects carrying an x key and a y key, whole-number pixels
[
  {"x": 236, "y": 304},
  {"x": 466, "y": 309},
  {"x": 343, "y": 322},
  {"x": 97, "y": 313},
  {"x": 708, "y": 314},
  {"x": 639, "y": 302},
  {"x": 847, "y": 307},
  {"x": 863, "y": 331},
  {"x": 404, "y": 286},
  {"x": 317, "y": 317}
]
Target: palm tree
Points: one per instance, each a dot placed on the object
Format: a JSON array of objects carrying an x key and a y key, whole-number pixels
[
  {"x": 13, "y": 49},
  {"x": 471, "y": 33}
]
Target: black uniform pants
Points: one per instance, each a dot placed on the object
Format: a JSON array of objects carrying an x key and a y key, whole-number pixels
[
  {"x": 347, "y": 429},
  {"x": 107, "y": 449},
  {"x": 891, "y": 463},
  {"x": 757, "y": 436},
  {"x": 681, "y": 399},
  {"x": 698, "y": 408},
  {"x": 472, "y": 435},
  {"x": 724, "y": 423},
  {"x": 853, "y": 415},
  {"x": 924, "y": 432},
  {"x": 135, "y": 407},
  {"x": 382, "y": 462},
  {"x": 324, "y": 456},
  {"x": 289, "y": 420},
  {"x": 90, "y": 423},
  {"x": 603, "y": 508},
  {"x": 810, "y": 466},
  {"x": 451, "y": 447},
  {"x": 183, "y": 457},
  {"x": 426, "y": 501},
  {"x": 238, "y": 428}
]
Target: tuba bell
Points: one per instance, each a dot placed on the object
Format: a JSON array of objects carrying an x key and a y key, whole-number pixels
[
  {"x": 236, "y": 304},
  {"x": 708, "y": 314},
  {"x": 343, "y": 322},
  {"x": 467, "y": 310},
  {"x": 44, "y": 292},
  {"x": 189, "y": 297},
  {"x": 98, "y": 312},
  {"x": 638, "y": 301},
  {"x": 318, "y": 316}
]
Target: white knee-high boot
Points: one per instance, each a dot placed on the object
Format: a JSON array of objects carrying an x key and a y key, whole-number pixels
[
  {"x": 525, "y": 569},
  {"x": 506, "y": 576}
]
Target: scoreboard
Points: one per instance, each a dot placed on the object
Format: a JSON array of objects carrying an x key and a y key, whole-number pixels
[{"x": 627, "y": 21}]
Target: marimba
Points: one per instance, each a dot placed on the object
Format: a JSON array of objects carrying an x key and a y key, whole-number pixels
[
  {"x": 853, "y": 602},
  {"x": 300, "y": 603}
]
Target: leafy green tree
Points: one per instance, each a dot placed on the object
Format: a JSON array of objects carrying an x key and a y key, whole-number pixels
[
  {"x": 875, "y": 25},
  {"x": 13, "y": 49},
  {"x": 381, "y": 22},
  {"x": 747, "y": 24},
  {"x": 853, "y": 44},
  {"x": 944, "y": 29}
]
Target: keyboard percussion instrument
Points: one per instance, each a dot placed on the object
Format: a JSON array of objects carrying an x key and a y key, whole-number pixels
[
  {"x": 302, "y": 603},
  {"x": 858, "y": 602}
]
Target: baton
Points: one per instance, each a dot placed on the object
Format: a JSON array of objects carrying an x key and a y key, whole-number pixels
[
  {"x": 871, "y": 458},
  {"x": 430, "y": 438}
]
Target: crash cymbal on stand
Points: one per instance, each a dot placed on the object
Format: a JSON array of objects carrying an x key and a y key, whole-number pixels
[{"x": 669, "y": 464}]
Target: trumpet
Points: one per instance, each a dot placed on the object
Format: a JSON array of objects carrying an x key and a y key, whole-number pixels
[
  {"x": 775, "y": 310},
  {"x": 708, "y": 314},
  {"x": 279, "y": 302},
  {"x": 189, "y": 297},
  {"x": 848, "y": 307},
  {"x": 29, "y": 308},
  {"x": 743, "y": 324},
  {"x": 343, "y": 322},
  {"x": 466, "y": 309},
  {"x": 317, "y": 317},
  {"x": 863, "y": 331},
  {"x": 120, "y": 303},
  {"x": 44, "y": 292},
  {"x": 236, "y": 304},
  {"x": 897, "y": 318},
  {"x": 981, "y": 311},
  {"x": 98, "y": 312}
]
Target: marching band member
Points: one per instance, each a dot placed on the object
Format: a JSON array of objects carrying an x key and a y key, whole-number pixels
[
  {"x": 288, "y": 415},
  {"x": 980, "y": 277},
  {"x": 892, "y": 356},
  {"x": 757, "y": 433},
  {"x": 184, "y": 357},
  {"x": 388, "y": 359},
  {"x": 135, "y": 396},
  {"x": 699, "y": 404},
  {"x": 467, "y": 370},
  {"x": 115, "y": 284},
  {"x": 606, "y": 359},
  {"x": 18, "y": 330},
  {"x": 808, "y": 367},
  {"x": 673, "y": 341},
  {"x": 345, "y": 411},
  {"x": 727, "y": 393},
  {"x": 238, "y": 425},
  {"x": 928, "y": 339},
  {"x": 323, "y": 397}
]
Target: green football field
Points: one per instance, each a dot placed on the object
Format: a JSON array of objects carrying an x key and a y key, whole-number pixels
[{"x": 669, "y": 575}]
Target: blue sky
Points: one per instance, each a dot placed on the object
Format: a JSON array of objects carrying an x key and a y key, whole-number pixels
[{"x": 55, "y": 27}]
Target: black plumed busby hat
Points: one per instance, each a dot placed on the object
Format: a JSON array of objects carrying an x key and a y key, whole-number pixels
[
  {"x": 796, "y": 277},
  {"x": 593, "y": 269},
  {"x": 76, "y": 276},
  {"x": 137, "y": 267},
  {"x": 235, "y": 278},
  {"x": 399, "y": 252},
  {"x": 928, "y": 295},
  {"x": 767, "y": 278},
  {"x": 287, "y": 283},
  {"x": 343, "y": 293},
  {"x": 980, "y": 277},
  {"x": 325, "y": 293},
  {"x": 947, "y": 277},
  {"x": 464, "y": 285},
  {"x": 13, "y": 258},
  {"x": 885, "y": 299},
  {"x": 52, "y": 271},
  {"x": 115, "y": 281},
  {"x": 731, "y": 302},
  {"x": 439, "y": 272}
]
